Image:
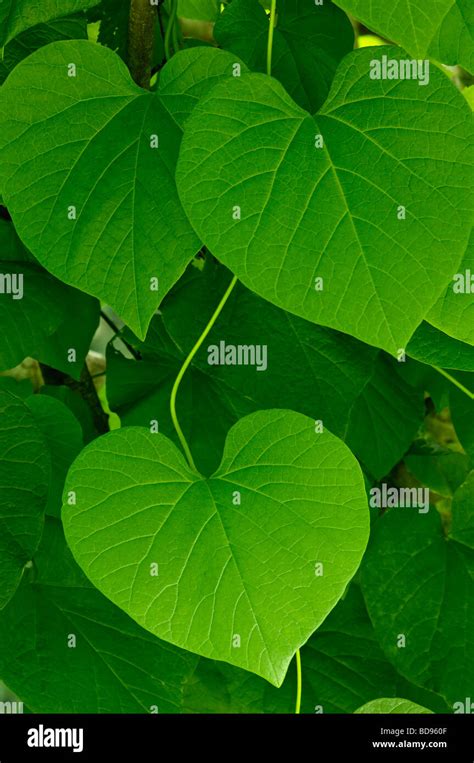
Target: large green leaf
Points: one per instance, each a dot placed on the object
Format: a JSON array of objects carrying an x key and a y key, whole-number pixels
[
  {"x": 440, "y": 29},
  {"x": 308, "y": 43},
  {"x": 334, "y": 212},
  {"x": 431, "y": 346},
  {"x": 310, "y": 369},
  {"x": 453, "y": 313},
  {"x": 63, "y": 436},
  {"x": 18, "y": 15},
  {"x": 114, "y": 666},
  {"x": 96, "y": 130},
  {"x": 237, "y": 552},
  {"x": 418, "y": 583},
  {"x": 24, "y": 477},
  {"x": 387, "y": 706}
]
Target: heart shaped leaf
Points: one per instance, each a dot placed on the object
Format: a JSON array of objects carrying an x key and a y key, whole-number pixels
[
  {"x": 241, "y": 567},
  {"x": 353, "y": 219},
  {"x": 88, "y": 176}
]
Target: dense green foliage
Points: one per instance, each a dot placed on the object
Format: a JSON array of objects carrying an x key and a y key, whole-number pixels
[{"x": 241, "y": 240}]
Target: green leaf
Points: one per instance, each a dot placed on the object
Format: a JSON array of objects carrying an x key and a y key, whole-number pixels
[
  {"x": 77, "y": 405},
  {"x": 333, "y": 212},
  {"x": 462, "y": 528},
  {"x": 18, "y": 15},
  {"x": 418, "y": 584},
  {"x": 439, "y": 469},
  {"x": 11, "y": 248},
  {"x": 462, "y": 412},
  {"x": 226, "y": 569},
  {"x": 392, "y": 707},
  {"x": 63, "y": 436},
  {"x": 96, "y": 130},
  {"x": 453, "y": 313},
  {"x": 307, "y": 366},
  {"x": 342, "y": 668},
  {"x": 385, "y": 418},
  {"x": 74, "y": 28},
  {"x": 81, "y": 316},
  {"x": 431, "y": 346},
  {"x": 308, "y": 43},
  {"x": 444, "y": 31},
  {"x": 115, "y": 667},
  {"x": 24, "y": 477},
  {"x": 42, "y": 317}
]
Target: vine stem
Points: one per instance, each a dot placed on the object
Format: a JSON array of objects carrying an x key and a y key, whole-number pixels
[
  {"x": 170, "y": 27},
  {"x": 455, "y": 382},
  {"x": 186, "y": 365},
  {"x": 270, "y": 37},
  {"x": 298, "y": 682},
  {"x": 141, "y": 40}
]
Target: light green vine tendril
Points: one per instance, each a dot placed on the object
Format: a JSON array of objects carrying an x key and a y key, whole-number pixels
[
  {"x": 184, "y": 368},
  {"x": 455, "y": 382},
  {"x": 298, "y": 682},
  {"x": 170, "y": 28},
  {"x": 270, "y": 37}
]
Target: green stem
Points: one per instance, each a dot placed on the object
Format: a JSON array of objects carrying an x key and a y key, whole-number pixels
[
  {"x": 298, "y": 682},
  {"x": 186, "y": 365},
  {"x": 455, "y": 382},
  {"x": 176, "y": 35},
  {"x": 169, "y": 28},
  {"x": 270, "y": 37}
]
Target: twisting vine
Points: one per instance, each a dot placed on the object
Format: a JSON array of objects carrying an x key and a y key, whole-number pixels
[
  {"x": 217, "y": 312},
  {"x": 186, "y": 365}
]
